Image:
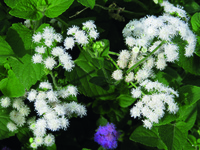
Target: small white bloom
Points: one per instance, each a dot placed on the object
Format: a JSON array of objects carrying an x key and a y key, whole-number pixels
[
  {"x": 38, "y": 140},
  {"x": 37, "y": 58},
  {"x": 58, "y": 37},
  {"x": 136, "y": 93},
  {"x": 81, "y": 110},
  {"x": 89, "y": 24},
  {"x": 32, "y": 95},
  {"x": 27, "y": 23},
  {"x": 5, "y": 102},
  {"x": 117, "y": 75},
  {"x": 40, "y": 50},
  {"x": 49, "y": 140},
  {"x": 129, "y": 77},
  {"x": 52, "y": 96},
  {"x": 45, "y": 85},
  {"x": 147, "y": 124},
  {"x": 41, "y": 95},
  {"x": 48, "y": 42},
  {"x": 37, "y": 37},
  {"x": 81, "y": 38},
  {"x": 68, "y": 65},
  {"x": 59, "y": 109},
  {"x": 72, "y": 90},
  {"x": 25, "y": 110},
  {"x": 50, "y": 63},
  {"x": 130, "y": 41},
  {"x": 18, "y": 103},
  {"x": 11, "y": 126},
  {"x": 94, "y": 34},
  {"x": 53, "y": 124},
  {"x": 69, "y": 43},
  {"x": 34, "y": 145},
  {"x": 57, "y": 51},
  {"x": 72, "y": 30},
  {"x": 64, "y": 123},
  {"x": 135, "y": 112}
]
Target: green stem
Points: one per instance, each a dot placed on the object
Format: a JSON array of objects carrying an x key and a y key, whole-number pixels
[
  {"x": 63, "y": 22},
  {"x": 113, "y": 53},
  {"x": 136, "y": 87},
  {"x": 142, "y": 60},
  {"x": 53, "y": 79},
  {"x": 125, "y": 11},
  {"x": 113, "y": 62}
]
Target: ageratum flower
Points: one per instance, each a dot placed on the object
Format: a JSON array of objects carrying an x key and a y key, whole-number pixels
[{"x": 107, "y": 136}]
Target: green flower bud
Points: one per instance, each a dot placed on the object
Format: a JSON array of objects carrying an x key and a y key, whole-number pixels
[{"x": 31, "y": 140}]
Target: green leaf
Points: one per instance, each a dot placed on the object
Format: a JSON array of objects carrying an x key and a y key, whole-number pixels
[
  {"x": 11, "y": 86},
  {"x": 102, "y": 121},
  {"x": 27, "y": 72},
  {"x": 189, "y": 94},
  {"x": 20, "y": 39},
  {"x": 82, "y": 74},
  {"x": 172, "y": 136},
  {"x": 147, "y": 137},
  {"x": 87, "y": 3},
  {"x": 24, "y": 134},
  {"x": 106, "y": 47},
  {"x": 27, "y": 9},
  {"x": 5, "y": 49},
  {"x": 125, "y": 100},
  {"x": 4, "y": 119},
  {"x": 57, "y": 7},
  {"x": 188, "y": 114},
  {"x": 11, "y": 3},
  {"x": 192, "y": 7},
  {"x": 195, "y": 21}
]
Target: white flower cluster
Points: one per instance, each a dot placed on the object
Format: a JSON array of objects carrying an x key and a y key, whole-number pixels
[
  {"x": 144, "y": 35},
  {"x": 81, "y": 37},
  {"x": 152, "y": 107},
  {"x": 18, "y": 114},
  {"x": 53, "y": 113},
  {"x": 47, "y": 38}
]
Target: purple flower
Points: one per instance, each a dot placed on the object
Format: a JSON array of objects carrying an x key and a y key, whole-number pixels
[
  {"x": 6, "y": 148},
  {"x": 107, "y": 136}
]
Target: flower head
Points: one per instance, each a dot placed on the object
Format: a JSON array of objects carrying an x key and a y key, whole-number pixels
[{"x": 107, "y": 136}]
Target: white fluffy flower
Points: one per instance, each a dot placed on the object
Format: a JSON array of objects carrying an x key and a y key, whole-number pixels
[
  {"x": 69, "y": 43},
  {"x": 129, "y": 77},
  {"x": 130, "y": 41},
  {"x": 68, "y": 66},
  {"x": 18, "y": 103},
  {"x": 147, "y": 124},
  {"x": 40, "y": 49},
  {"x": 41, "y": 95},
  {"x": 37, "y": 37},
  {"x": 37, "y": 58},
  {"x": 53, "y": 124},
  {"x": 135, "y": 112},
  {"x": 49, "y": 140},
  {"x": 81, "y": 38},
  {"x": 38, "y": 140},
  {"x": 59, "y": 109},
  {"x": 72, "y": 30},
  {"x": 32, "y": 95},
  {"x": 25, "y": 110},
  {"x": 93, "y": 34},
  {"x": 45, "y": 85},
  {"x": 57, "y": 51},
  {"x": 52, "y": 96},
  {"x": 58, "y": 37},
  {"x": 89, "y": 24},
  {"x": 64, "y": 123},
  {"x": 5, "y": 102},
  {"x": 11, "y": 126},
  {"x": 117, "y": 75},
  {"x": 72, "y": 90},
  {"x": 136, "y": 93},
  {"x": 50, "y": 63}
]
